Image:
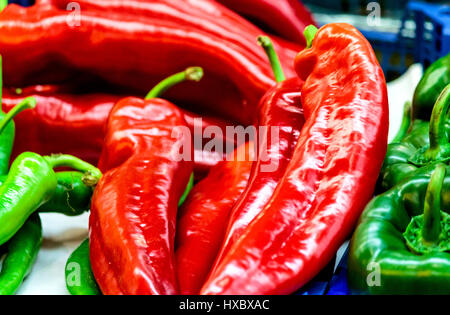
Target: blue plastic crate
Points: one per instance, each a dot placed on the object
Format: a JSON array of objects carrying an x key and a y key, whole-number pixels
[
  {"x": 432, "y": 34},
  {"x": 423, "y": 35},
  {"x": 24, "y": 3}
]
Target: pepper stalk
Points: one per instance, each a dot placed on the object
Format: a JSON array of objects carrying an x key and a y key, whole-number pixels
[
  {"x": 28, "y": 103},
  {"x": 190, "y": 74},
  {"x": 439, "y": 148},
  {"x": 430, "y": 232},
  {"x": 266, "y": 43}
]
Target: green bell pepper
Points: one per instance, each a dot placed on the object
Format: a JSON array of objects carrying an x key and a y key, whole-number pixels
[
  {"x": 436, "y": 77},
  {"x": 424, "y": 144},
  {"x": 401, "y": 246}
]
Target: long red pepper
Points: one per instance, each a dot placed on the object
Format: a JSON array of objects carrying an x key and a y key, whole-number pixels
[
  {"x": 287, "y": 18},
  {"x": 330, "y": 178},
  {"x": 280, "y": 109},
  {"x": 115, "y": 44},
  {"x": 134, "y": 207},
  {"x": 61, "y": 115},
  {"x": 204, "y": 216}
]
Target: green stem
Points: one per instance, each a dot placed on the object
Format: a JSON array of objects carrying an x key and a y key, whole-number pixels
[
  {"x": 406, "y": 123},
  {"x": 266, "y": 43},
  {"x": 190, "y": 74},
  {"x": 188, "y": 189},
  {"x": 438, "y": 135},
  {"x": 28, "y": 103},
  {"x": 309, "y": 33},
  {"x": 92, "y": 174},
  {"x": 432, "y": 212}
]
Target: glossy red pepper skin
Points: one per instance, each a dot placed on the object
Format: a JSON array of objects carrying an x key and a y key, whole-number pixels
[
  {"x": 204, "y": 216},
  {"x": 279, "y": 108},
  {"x": 330, "y": 178},
  {"x": 287, "y": 18},
  {"x": 236, "y": 71},
  {"x": 61, "y": 115},
  {"x": 134, "y": 207}
]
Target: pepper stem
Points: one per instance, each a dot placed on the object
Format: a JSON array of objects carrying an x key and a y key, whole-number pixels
[
  {"x": 28, "y": 103},
  {"x": 432, "y": 212},
  {"x": 189, "y": 187},
  {"x": 439, "y": 148},
  {"x": 438, "y": 135},
  {"x": 266, "y": 43},
  {"x": 92, "y": 174},
  {"x": 190, "y": 74},
  {"x": 309, "y": 33},
  {"x": 406, "y": 123}
]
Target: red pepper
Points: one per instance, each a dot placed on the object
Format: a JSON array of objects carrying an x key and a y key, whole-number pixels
[
  {"x": 280, "y": 108},
  {"x": 132, "y": 43},
  {"x": 204, "y": 216},
  {"x": 61, "y": 115},
  {"x": 287, "y": 18},
  {"x": 330, "y": 177},
  {"x": 134, "y": 207}
]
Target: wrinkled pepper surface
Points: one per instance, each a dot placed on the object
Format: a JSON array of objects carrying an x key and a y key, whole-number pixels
[
  {"x": 208, "y": 34},
  {"x": 144, "y": 180}
]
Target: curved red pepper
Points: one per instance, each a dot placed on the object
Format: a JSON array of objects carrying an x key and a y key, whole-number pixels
[
  {"x": 280, "y": 108},
  {"x": 133, "y": 213},
  {"x": 330, "y": 178},
  {"x": 204, "y": 216},
  {"x": 287, "y": 18},
  {"x": 82, "y": 118},
  {"x": 116, "y": 44}
]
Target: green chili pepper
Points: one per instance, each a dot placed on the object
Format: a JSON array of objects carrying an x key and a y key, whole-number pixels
[
  {"x": 21, "y": 254},
  {"x": 436, "y": 77},
  {"x": 79, "y": 277},
  {"x": 401, "y": 246},
  {"x": 72, "y": 197},
  {"x": 32, "y": 182},
  {"x": 425, "y": 144}
]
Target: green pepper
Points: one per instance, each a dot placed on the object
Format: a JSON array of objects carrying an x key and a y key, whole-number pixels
[
  {"x": 401, "y": 246},
  {"x": 424, "y": 144},
  {"x": 21, "y": 254},
  {"x": 436, "y": 77},
  {"x": 32, "y": 182},
  {"x": 79, "y": 277},
  {"x": 71, "y": 198}
]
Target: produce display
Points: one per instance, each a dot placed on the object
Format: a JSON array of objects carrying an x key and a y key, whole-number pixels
[{"x": 219, "y": 147}]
